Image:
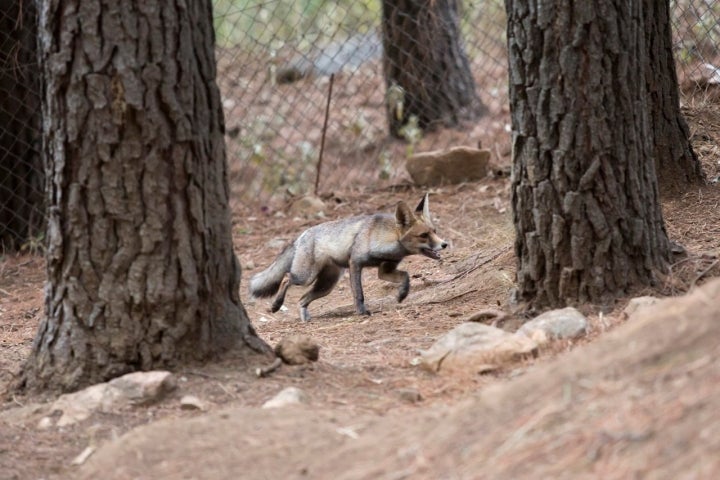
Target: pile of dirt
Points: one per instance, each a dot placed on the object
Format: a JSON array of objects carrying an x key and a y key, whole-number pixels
[{"x": 642, "y": 400}]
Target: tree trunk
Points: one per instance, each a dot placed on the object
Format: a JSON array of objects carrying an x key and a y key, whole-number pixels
[
  {"x": 21, "y": 174},
  {"x": 676, "y": 162},
  {"x": 584, "y": 189},
  {"x": 427, "y": 73},
  {"x": 140, "y": 260}
]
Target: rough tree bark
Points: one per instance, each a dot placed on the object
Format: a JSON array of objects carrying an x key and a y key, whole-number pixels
[
  {"x": 424, "y": 57},
  {"x": 676, "y": 162},
  {"x": 584, "y": 188},
  {"x": 21, "y": 170},
  {"x": 140, "y": 262}
]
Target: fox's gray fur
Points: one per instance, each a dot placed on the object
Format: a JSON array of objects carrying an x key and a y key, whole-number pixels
[{"x": 321, "y": 253}]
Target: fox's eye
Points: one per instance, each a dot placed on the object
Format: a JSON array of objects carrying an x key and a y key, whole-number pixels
[{"x": 425, "y": 235}]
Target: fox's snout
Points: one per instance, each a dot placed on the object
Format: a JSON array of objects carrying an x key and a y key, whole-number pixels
[
  {"x": 438, "y": 244},
  {"x": 432, "y": 245}
]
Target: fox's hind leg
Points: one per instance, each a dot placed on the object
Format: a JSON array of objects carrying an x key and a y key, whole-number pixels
[
  {"x": 282, "y": 290},
  {"x": 324, "y": 283},
  {"x": 302, "y": 272},
  {"x": 388, "y": 271}
]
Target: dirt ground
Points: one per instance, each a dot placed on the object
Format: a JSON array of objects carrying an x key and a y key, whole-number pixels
[{"x": 366, "y": 380}]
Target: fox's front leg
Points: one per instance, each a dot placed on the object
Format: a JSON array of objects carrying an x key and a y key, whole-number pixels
[
  {"x": 357, "y": 290},
  {"x": 388, "y": 271}
]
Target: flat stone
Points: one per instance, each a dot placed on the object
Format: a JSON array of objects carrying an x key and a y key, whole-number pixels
[
  {"x": 557, "y": 324},
  {"x": 638, "y": 304},
  {"x": 477, "y": 348},
  {"x": 456, "y": 165},
  {"x": 191, "y": 402},
  {"x": 144, "y": 387},
  {"x": 131, "y": 389},
  {"x": 287, "y": 396}
]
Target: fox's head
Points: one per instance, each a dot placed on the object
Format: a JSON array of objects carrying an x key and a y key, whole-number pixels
[{"x": 417, "y": 232}]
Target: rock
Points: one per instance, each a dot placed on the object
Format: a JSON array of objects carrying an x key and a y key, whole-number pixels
[
  {"x": 287, "y": 396},
  {"x": 144, "y": 387},
  {"x": 457, "y": 165},
  {"x": 557, "y": 324},
  {"x": 131, "y": 389},
  {"x": 78, "y": 406},
  {"x": 539, "y": 337},
  {"x": 409, "y": 395},
  {"x": 30, "y": 413},
  {"x": 277, "y": 243},
  {"x": 45, "y": 423},
  {"x": 191, "y": 402},
  {"x": 308, "y": 206},
  {"x": 477, "y": 348},
  {"x": 249, "y": 265},
  {"x": 638, "y": 303},
  {"x": 297, "y": 350}
]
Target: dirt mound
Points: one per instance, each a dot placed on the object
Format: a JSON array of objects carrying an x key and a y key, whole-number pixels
[{"x": 643, "y": 400}]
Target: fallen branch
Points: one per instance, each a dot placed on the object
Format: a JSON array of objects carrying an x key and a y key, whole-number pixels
[{"x": 267, "y": 370}]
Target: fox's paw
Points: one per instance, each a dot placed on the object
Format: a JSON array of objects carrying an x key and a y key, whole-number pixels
[
  {"x": 404, "y": 289},
  {"x": 363, "y": 311},
  {"x": 304, "y": 314},
  {"x": 402, "y": 294},
  {"x": 275, "y": 307}
]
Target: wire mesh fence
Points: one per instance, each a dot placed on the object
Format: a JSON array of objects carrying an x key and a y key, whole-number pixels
[
  {"x": 21, "y": 171},
  {"x": 275, "y": 60}
]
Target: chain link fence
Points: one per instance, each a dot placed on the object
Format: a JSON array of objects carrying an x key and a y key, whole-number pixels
[
  {"x": 21, "y": 170},
  {"x": 275, "y": 61}
]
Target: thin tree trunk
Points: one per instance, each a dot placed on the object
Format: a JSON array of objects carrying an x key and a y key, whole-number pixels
[
  {"x": 425, "y": 65},
  {"x": 584, "y": 189},
  {"x": 140, "y": 260},
  {"x": 21, "y": 174},
  {"x": 677, "y": 165}
]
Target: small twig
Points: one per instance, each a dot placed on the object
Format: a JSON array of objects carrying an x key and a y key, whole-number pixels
[
  {"x": 478, "y": 265},
  {"x": 225, "y": 389},
  {"x": 265, "y": 371},
  {"x": 324, "y": 130},
  {"x": 200, "y": 374},
  {"x": 434, "y": 302},
  {"x": 704, "y": 272}
]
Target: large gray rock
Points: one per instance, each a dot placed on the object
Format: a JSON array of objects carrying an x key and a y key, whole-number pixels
[
  {"x": 287, "y": 396},
  {"x": 131, "y": 389},
  {"x": 637, "y": 304},
  {"x": 475, "y": 347},
  {"x": 457, "y": 165},
  {"x": 144, "y": 387},
  {"x": 556, "y": 324}
]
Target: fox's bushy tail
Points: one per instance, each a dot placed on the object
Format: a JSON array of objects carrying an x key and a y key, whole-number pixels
[{"x": 267, "y": 282}]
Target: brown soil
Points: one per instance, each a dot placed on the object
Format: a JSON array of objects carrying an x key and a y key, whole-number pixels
[{"x": 613, "y": 408}]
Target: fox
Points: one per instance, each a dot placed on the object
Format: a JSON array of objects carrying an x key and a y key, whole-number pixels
[{"x": 320, "y": 255}]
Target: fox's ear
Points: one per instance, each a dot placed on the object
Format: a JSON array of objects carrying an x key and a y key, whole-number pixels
[
  {"x": 423, "y": 209},
  {"x": 403, "y": 215}
]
